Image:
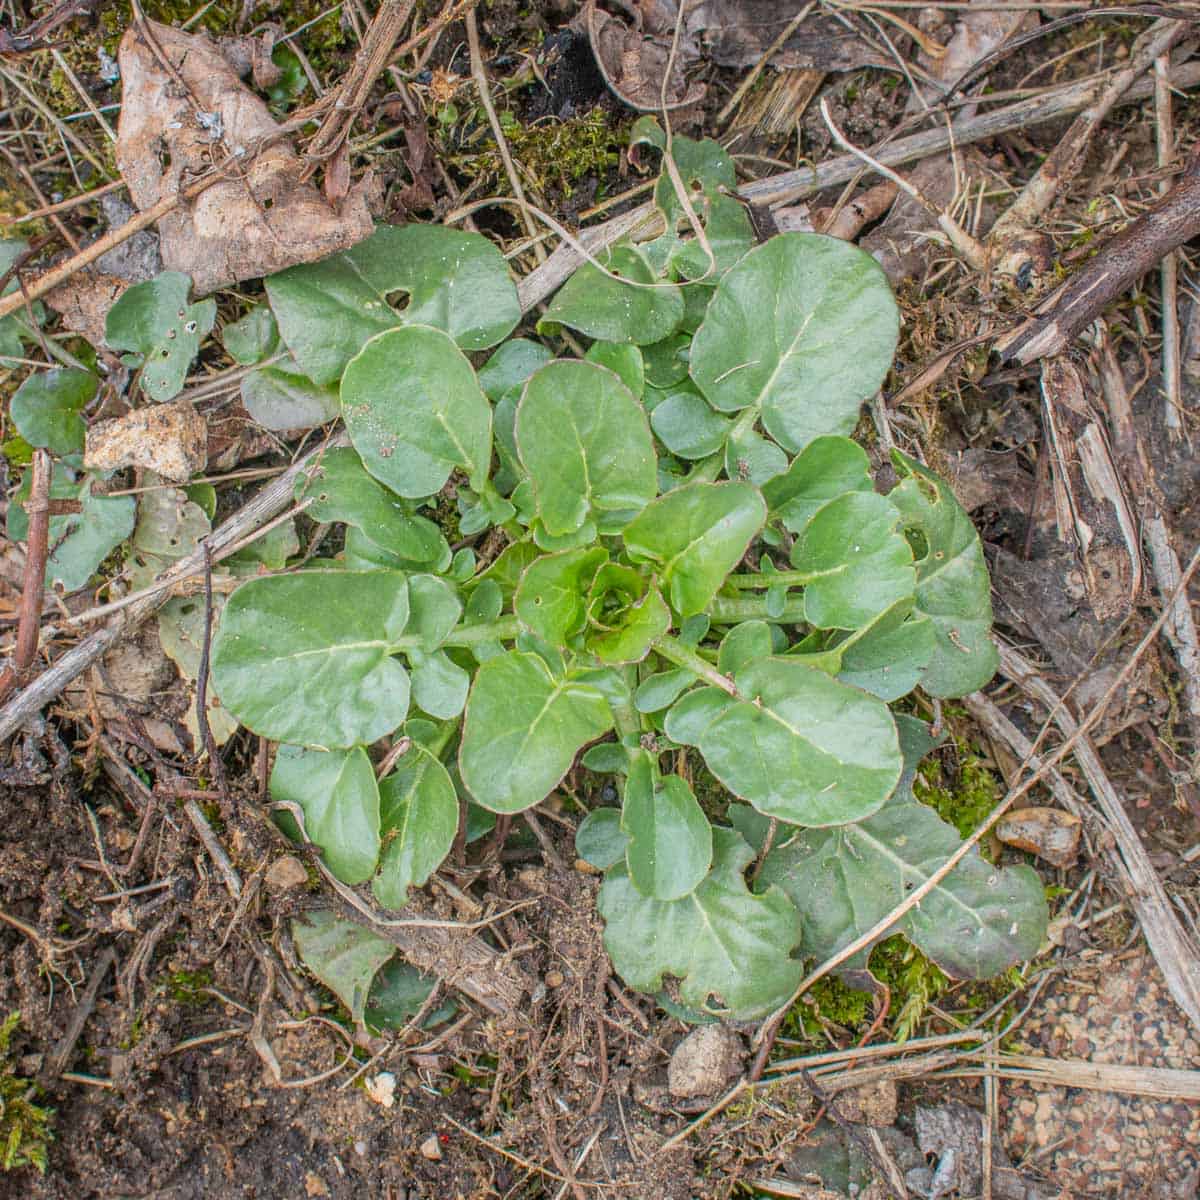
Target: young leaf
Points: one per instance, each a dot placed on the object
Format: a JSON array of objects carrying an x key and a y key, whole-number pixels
[
  {"x": 744, "y": 644},
  {"x": 952, "y": 581},
  {"x": 730, "y": 949},
  {"x": 551, "y": 599},
  {"x": 689, "y": 717},
  {"x": 46, "y": 408},
  {"x": 600, "y": 840},
  {"x": 251, "y": 338},
  {"x": 977, "y": 922},
  {"x": 660, "y": 691},
  {"x": 751, "y": 456},
  {"x": 434, "y": 610},
  {"x": 523, "y": 729},
  {"x": 439, "y": 686},
  {"x": 804, "y": 329},
  {"x": 336, "y": 790},
  {"x": 343, "y": 956},
  {"x": 862, "y": 562},
  {"x": 510, "y": 366},
  {"x": 154, "y": 319},
  {"x": 584, "y": 440},
  {"x": 625, "y": 633},
  {"x": 339, "y": 488},
  {"x": 696, "y": 535},
  {"x": 670, "y": 839},
  {"x": 824, "y": 469},
  {"x": 610, "y": 310},
  {"x": 803, "y": 747},
  {"x": 398, "y": 993},
  {"x": 456, "y": 282},
  {"x": 306, "y": 658},
  {"x": 414, "y": 411},
  {"x": 623, "y": 360},
  {"x": 686, "y": 424},
  {"x": 418, "y": 810},
  {"x": 283, "y": 398}
]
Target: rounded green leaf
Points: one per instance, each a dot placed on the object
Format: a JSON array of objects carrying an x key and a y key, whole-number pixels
[
  {"x": 284, "y": 398},
  {"x": 661, "y": 690},
  {"x": 696, "y": 535},
  {"x": 686, "y": 424},
  {"x": 344, "y": 956},
  {"x": 610, "y": 310},
  {"x": 585, "y": 442},
  {"x": 892, "y": 655},
  {"x": 624, "y": 360},
  {"x": 338, "y": 488},
  {"x": 803, "y": 328},
  {"x": 306, "y": 658},
  {"x": 414, "y": 411},
  {"x": 600, "y": 840},
  {"x": 824, "y": 469},
  {"x": 744, "y": 644},
  {"x": 511, "y": 365},
  {"x": 337, "y": 792},
  {"x": 670, "y": 839},
  {"x": 250, "y": 338},
  {"x": 418, "y": 818},
  {"x": 47, "y": 408},
  {"x": 730, "y": 949},
  {"x": 953, "y": 589},
  {"x": 457, "y": 282},
  {"x": 434, "y": 610},
  {"x": 803, "y": 747},
  {"x": 551, "y": 599},
  {"x": 523, "y": 729},
  {"x": 439, "y": 686},
  {"x": 692, "y": 714},
  {"x": 860, "y": 561}
]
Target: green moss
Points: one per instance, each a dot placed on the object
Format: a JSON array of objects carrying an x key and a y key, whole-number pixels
[
  {"x": 963, "y": 795},
  {"x": 25, "y": 1133},
  {"x": 913, "y": 980},
  {"x": 187, "y": 987}
]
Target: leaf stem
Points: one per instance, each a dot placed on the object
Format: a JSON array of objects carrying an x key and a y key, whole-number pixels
[
  {"x": 769, "y": 579},
  {"x": 684, "y": 656},
  {"x": 724, "y": 610},
  {"x": 503, "y": 629}
]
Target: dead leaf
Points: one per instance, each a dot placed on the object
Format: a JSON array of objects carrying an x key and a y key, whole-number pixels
[
  {"x": 250, "y": 57},
  {"x": 633, "y": 65},
  {"x": 84, "y": 301},
  {"x": 1049, "y": 833},
  {"x": 240, "y": 228},
  {"x": 169, "y": 439}
]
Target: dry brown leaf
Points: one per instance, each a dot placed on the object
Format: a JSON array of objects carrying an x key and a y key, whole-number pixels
[
  {"x": 1049, "y": 833},
  {"x": 175, "y": 123},
  {"x": 169, "y": 439},
  {"x": 84, "y": 301}
]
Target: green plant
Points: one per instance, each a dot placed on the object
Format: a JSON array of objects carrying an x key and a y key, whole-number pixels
[
  {"x": 24, "y": 1126},
  {"x": 707, "y": 425}
]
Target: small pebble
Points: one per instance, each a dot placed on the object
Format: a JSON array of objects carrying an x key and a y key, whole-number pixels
[
  {"x": 554, "y": 979},
  {"x": 285, "y": 873},
  {"x": 430, "y": 1148}
]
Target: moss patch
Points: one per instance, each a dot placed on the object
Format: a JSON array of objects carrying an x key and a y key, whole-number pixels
[{"x": 25, "y": 1133}]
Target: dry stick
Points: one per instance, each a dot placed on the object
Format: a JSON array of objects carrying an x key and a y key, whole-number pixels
[
  {"x": 479, "y": 74},
  {"x": 1076, "y": 742},
  {"x": 56, "y": 1064},
  {"x": 1174, "y": 950},
  {"x": 33, "y": 585},
  {"x": 64, "y": 205},
  {"x": 1124, "y": 260},
  {"x": 790, "y": 186},
  {"x": 1065, "y": 160},
  {"x": 766, "y": 56},
  {"x": 1164, "y": 136}
]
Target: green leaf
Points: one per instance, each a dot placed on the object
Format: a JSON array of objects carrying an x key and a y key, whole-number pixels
[
  {"x": 439, "y": 686},
  {"x": 889, "y": 659},
  {"x": 666, "y": 362},
  {"x": 181, "y": 634},
  {"x": 803, "y": 747},
  {"x": 306, "y": 658},
  {"x": 336, "y": 790},
  {"x": 79, "y": 542},
  {"x": 610, "y": 310},
  {"x": 362, "y": 554},
  {"x": 284, "y": 398},
  {"x": 523, "y": 729},
  {"x": 418, "y": 810},
  {"x": 979, "y": 921},
  {"x": 270, "y": 549},
  {"x": 629, "y": 633},
  {"x": 660, "y": 691},
  {"x": 823, "y": 470},
  {"x": 600, "y": 840},
  {"x": 154, "y": 319},
  {"x": 511, "y": 365},
  {"x": 696, "y": 535},
  {"x": 803, "y": 329},
  {"x": 47, "y": 408},
  {"x": 434, "y": 610},
  {"x": 751, "y": 456},
  {"x": 551, "y": 600},
  {"x": 730, "y": 949},
  {"x": 414, "y": 411},
  {"x": 861, "y": 561},
  {"x": 623, "y": 360},
  {"x": 251, "y": 338},
  {"x": 456, "y": 282},
  {"x": 399, "y": 993},
  {"x": 169, "y": 527},
  {"x": 506, "y": 570},
  {"x": 730, "y": 236},
  {"x": 342, "y": 955},
  {"x": 686, "y": 424},
  {"x": 585, "y": 442},
  {"x": 952, "y": 581},
  {"x": 670, "y": 839},
  {"x": 339, "y": 488},
  {"x": 742, "y": 645}
]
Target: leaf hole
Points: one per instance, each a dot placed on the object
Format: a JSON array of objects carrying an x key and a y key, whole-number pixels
[
  {"x": 268, "y": 202},
  {"x": 398, "y": 300}
]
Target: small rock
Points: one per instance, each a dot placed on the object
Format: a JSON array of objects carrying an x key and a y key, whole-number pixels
[
  {"x": 285, "y": 873},
  {"x": 554, "y": 979},
  {"x": 382, "y": 1088},
  {"x": 704, "y": 1061},
  {"x": 314, "y": 1185},
  {"x": 869, "y": 1104},
  {"x": 430, "y": 1148}
]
